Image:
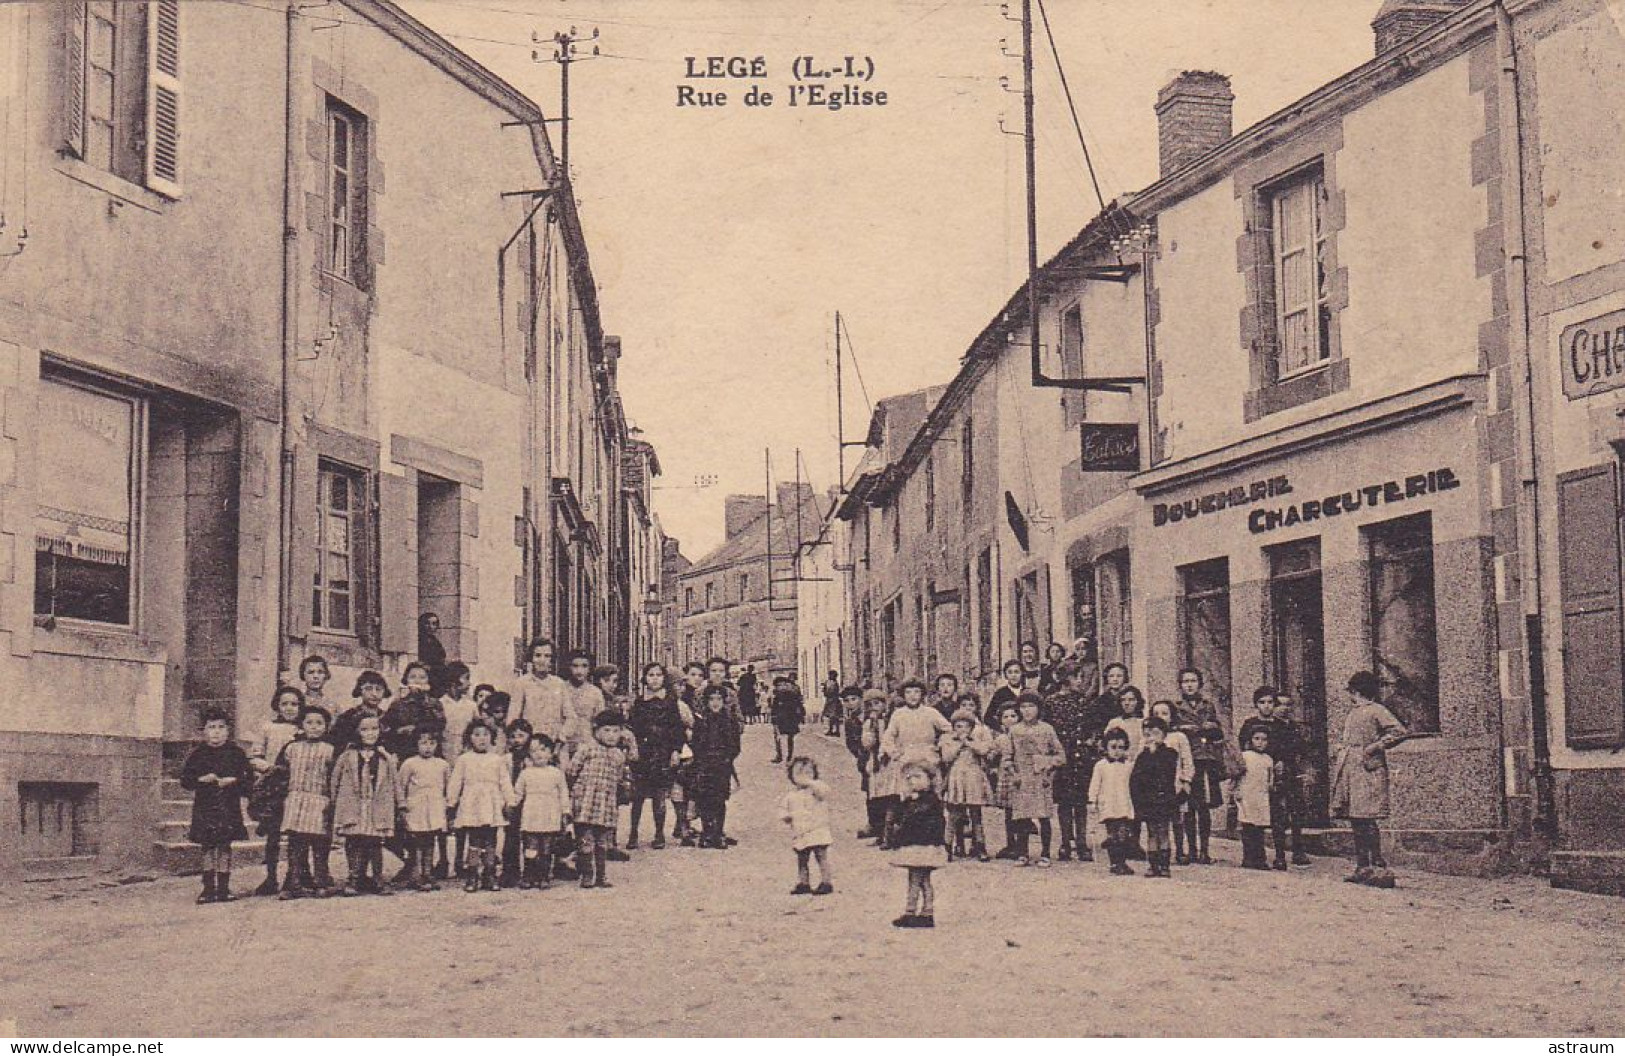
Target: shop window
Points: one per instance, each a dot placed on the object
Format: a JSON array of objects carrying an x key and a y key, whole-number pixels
[
  {"x": 56, "y": 820},
  {"x": 1297, "y": 666},
  {"x": 1593, "y": 650},
  {"x": 85, "y": 527},
  {"x": 1404, "y": 629},
  {"x": 340, "y": 520},
  {"x": 1205, "y": 623},
  {"x": 1115, "y": 597}
]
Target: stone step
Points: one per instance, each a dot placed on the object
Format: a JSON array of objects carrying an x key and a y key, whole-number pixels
[
  {"x": 1597, "y": 872},
  {"x": 184, "y": 859}
]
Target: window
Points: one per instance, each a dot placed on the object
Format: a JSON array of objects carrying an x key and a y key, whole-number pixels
[
  {"x": 688, "y": 599},
  {"x": 710, "y": 596},
  {"x": 1205, "y": 601},
  {"x": 894, "y": 513},
  {"x": 688, "y": 647},
  {"x": 56, "y": 820},
  {"x": 84, "y": 535},
  {"x": 967, "y": 466},
  {"x": 1084, "y": 623},
  {"x": 1404, "y": 630},
  {"x": 888, "y": 636},
  {"x": 1031, "y": 625},
  {"x": 123, "y": 89},
  {"x": 1588, "y": 517},
  {"x": 1114, "y": 600},
  {"x": 744, "y": 587},
  {"x": 710, "y": 644},
  {"x": 346, "y": 192},
  {"x": 930, "y": 493},
  {"x": 1073, "y": 403},
  {"x": 1298, "y": 245},
  {"x": 340, "y": 508},
  {"x": 919, "y": 637}
]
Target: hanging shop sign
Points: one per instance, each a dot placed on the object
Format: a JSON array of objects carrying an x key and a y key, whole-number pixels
[
  {"x": 1592, "y": 355},
  {"x": 1111, "y": 448}
]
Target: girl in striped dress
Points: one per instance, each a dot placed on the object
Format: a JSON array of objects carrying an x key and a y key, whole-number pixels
[{"x": 306, "y": 811}]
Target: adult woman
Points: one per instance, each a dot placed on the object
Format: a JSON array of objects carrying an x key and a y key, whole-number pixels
[
  {"x": 1360, "y": 776},
  {"x": 657, "y": 724}
]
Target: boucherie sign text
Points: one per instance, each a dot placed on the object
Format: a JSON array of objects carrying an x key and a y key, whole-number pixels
[{"x": 1268, "y": 517}]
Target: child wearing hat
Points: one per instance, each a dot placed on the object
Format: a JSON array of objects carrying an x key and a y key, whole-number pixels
[
  {"x": 597, "y": 769},
  {"x": 965, "y": 753}
]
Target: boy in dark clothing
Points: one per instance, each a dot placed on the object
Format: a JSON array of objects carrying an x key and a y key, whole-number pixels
[
  {"x": 1286, "y": 748},
  {"x": 1153, "y": 786},
  {"x": 789, "y": 711},
  {"x": 715, "y": 743}
]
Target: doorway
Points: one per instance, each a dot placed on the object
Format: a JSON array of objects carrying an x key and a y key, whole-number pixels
[
  {"x": 1298, "y": 657},
  {"x": 440, "y": 557}
]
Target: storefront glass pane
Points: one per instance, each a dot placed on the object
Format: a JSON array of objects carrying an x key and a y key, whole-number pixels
[{"x": 1404, "y": 628}]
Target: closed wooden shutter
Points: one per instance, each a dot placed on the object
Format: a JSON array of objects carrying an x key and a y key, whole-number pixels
[
  {"x": 397, "y": 565},
  {"x": 302, "y": 543},
  {"x": 1593, "y": 663},
  {"x": 73, "y": 78},
  {"x": 163, "y": 160}
]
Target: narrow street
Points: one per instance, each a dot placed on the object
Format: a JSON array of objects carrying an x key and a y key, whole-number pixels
[{"x": 696, "y": 942}]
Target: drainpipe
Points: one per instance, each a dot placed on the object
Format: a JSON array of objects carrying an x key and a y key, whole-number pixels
[
  {"x": 1521, "y": 353},
  {"x": 290, "y": 330}
]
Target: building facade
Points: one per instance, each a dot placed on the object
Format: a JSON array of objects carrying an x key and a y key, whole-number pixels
[{"x": 303, "y": 397}]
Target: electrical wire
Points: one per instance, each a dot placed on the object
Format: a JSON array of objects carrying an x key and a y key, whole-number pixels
[
  {"x": 856, "y": 369},
  {"x": 1066, "y": 89}
]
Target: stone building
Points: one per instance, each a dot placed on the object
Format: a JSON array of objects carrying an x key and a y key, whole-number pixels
[
  {"x": 739, "y": 601},
  {"x": 269, "y": 390}
]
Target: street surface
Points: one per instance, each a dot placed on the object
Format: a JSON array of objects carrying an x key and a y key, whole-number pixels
[{"x": 693, "y": 942}]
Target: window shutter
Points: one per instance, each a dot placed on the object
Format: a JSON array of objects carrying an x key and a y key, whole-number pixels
[
  {"x": 73, "y": 79},
  {"x": 302, "y": 543},
  {"x": 397, "y": 565},
  {"x": 1593, "y": 666},
  {"x": 163, "y": 161}
]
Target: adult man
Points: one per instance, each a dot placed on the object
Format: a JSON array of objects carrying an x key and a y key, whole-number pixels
[
  {"x": 538, "y": 694},
  {"x": 1198, "y": 719},
  {"x": 1079, "y": 725},
  {"x": 832, "y": 704},
  {"x": 947, "y": 699},
  {"x": 1286, "y": 749}
]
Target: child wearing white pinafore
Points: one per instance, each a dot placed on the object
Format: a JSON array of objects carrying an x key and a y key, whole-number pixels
[
  {"x": 423, "y": 779},
  {"x": 806, "y": 810}
]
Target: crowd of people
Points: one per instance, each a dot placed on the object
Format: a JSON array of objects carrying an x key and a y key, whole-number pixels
[
  {"x": 526, "y": 786},
  {"x": 1064, "y": 737},
  {"x": 496, "y": 788}
]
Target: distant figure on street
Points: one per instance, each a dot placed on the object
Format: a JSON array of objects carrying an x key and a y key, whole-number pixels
[
  {"x": 832, "y": 715},
  {"x": 789, "y": 712},
  {"x": 749, "y": 705}
]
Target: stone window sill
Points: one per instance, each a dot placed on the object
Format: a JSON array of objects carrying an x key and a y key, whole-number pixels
[
  {"x": 1306, "y": 386},
  {"x": 106, "y": 182},
  {"x": 68, "y": 638}
]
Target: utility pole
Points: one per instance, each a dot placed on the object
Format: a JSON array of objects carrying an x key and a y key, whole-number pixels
[
  {"x": 840, "y": 411},
  {"x": 566, "y": 51},
  {"x": 1032, "y": 181}
]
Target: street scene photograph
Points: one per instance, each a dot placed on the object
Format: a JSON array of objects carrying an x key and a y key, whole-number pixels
[{"x": 812, "y": 519}]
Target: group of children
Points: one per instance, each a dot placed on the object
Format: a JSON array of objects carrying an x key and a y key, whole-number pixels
[{"x": 449, "y": 784}]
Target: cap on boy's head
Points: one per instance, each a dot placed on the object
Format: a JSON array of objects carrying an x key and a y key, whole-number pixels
[
  {"x": 216, "y": 715},
  {"x": 370, "y": 678},
  {"x": 851, "y": 693},
  {"x": 314, "y": 709},
  {"x": 1157, "y": 722},
  {"x": 913, "y": 683},
  {"x": 964, "y": 715},
  {"x": 607, "y": 717}
]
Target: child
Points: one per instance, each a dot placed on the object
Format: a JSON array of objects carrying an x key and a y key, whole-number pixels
[
  {"x": 715, "y": 743},
  {"x": 1153, "y": 785},
  {"x": 415, "y": 711},
  {"x": 309, "y": 765},
  {"x": 1004, "y": 778},
  {"x": 1253, "y": 787},
  {"x": 423, "y": 800},
  {"x": 1360, "y": 777},
  {"x": 1131, "y": 719},
  {"x": 494, "y": 709},
  {"x": 366, "y": 796},
  {"x": 519, "y": 734},
  {"x": 806, "y": 811},
  {"x": 370, "y": 691},
  {"x": 544, "y": 812},
  {"x": 1180, "y": 743},
  {"x": 314, "y": 673},
  {"x": 918, "y": 843},
  {"x": 270, "y": 787},
  {"x": 459, "y": 710},
  {"x": 1036, "y": 754},
  {"x": 216, "y": 773},
  {"x": 965, "y": 752},
  {"x": 878, "y": 780},
  {"x": 596, "y": 770},
  {"x": 1111, "y": 801},
  {"x": 481, "y": 788}
]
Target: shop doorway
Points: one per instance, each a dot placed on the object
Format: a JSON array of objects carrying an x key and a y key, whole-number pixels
[
  {"x": 440, "y": 557},
  {"x": 1298, "y": 657}
]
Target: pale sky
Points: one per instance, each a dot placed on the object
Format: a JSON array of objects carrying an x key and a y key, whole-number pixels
[{"x": 724, "y": 240}]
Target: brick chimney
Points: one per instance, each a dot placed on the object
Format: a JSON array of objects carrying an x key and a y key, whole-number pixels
[
  {"x": 1399, "y": 20},
  {"x": 739, "y": 511},
  {"x": 1193, "y": 117}
]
